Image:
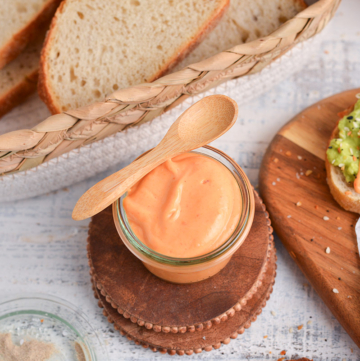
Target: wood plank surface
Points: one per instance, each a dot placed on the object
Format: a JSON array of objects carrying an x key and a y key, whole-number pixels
[{"x": 293, "y": 171}]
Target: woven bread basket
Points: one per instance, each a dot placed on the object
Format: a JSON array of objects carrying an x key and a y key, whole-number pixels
[{"x": 22, "y": 152}]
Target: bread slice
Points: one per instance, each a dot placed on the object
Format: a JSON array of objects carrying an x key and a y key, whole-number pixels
[
  {"x": 95, "y": 47},
  {"x": 342, "y": 191},
  {"x": 246, "y": 20},
  {"x": 18, "y": 79},
  {"x": 20, "y": 22}
]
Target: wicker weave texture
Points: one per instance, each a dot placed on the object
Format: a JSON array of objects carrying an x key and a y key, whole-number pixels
[{"x": 58, "y": 134}]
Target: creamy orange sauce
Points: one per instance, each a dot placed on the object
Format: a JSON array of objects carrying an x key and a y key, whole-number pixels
[{"x": 186, "y": 207}]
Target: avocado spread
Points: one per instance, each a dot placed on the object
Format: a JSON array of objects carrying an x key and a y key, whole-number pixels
[{"x": 344, "y": 152}]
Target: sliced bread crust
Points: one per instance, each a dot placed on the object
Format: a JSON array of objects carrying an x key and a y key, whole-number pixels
[
  {"x": 46, "y": 85},
  {"x": 15, "y": 45},
  {"x": 342, "y": 191},
  {"x": 18, "y": 79}
]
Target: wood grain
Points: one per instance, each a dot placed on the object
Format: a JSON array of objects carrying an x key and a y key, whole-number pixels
[
  {"x": 162, "y": 306},
  {"x": 196, "y": 342},
  {"x": 300, "y": 147}
]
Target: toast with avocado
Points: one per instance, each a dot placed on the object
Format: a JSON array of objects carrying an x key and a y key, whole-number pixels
[{"x": 342, "y": 160}]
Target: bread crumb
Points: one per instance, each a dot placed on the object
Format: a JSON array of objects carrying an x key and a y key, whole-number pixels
[
  {"x": 266, "y": 336},
  {"x": 281, "y": 359},
  {"x": 348, "y": 193},
  {"x": 283, "y": 352},
  {"x": 308, "y": 172},
  {"x": 300, "y": 327},
  {"x": 298, "y": 204},
  {"x": 276, "y": 160},
  {"x": 327, "y": 250},
  {"x": 349, "y": 297},
  {"x": 335, "y": 290},
  {"x": 338, "y": 218},
  {"x": 325, "y": 218},
  {"x": 288, "y": 153}
]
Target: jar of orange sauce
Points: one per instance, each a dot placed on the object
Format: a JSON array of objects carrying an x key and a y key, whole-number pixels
[{"x": 193, "y": 269}]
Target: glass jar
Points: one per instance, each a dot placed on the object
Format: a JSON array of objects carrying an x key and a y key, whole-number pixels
[{"x": 189, "y": 270}]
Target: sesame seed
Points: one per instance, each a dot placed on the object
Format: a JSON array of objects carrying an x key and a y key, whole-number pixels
[
  {"x": 308, "y": 172},
  {"x": 297, "y": 176},
  {"x": 300, "y": 157},
  {"x": 341, "y": 165},
  {"x": 291, "y": 330},
  {"x": 309, "y": 322},
  {"x": 333, "y": 161},
  {"x": 346, "y": 128},
  {"x": 325, "y": 218},
  {"x": 351, "y": 151},
  {"x": 298, "y": 204},
  {"x": 278, "y": 179},
  {"x": 327, "y": 250},
  {"x": 276, "y": 160},
  {"x": 335, "y": 290},
  {"x": 289, "y": 216},
  {"x": 274, "y": 183},
  {"x": 339, "y": 228},
  {"x": 273, "y": 313}
]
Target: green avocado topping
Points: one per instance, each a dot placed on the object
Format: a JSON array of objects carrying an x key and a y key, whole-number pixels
[{"x": 344, "y": 152}]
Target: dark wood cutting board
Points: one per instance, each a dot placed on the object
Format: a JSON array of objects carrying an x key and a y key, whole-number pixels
[{"x": 293, "y": 170}]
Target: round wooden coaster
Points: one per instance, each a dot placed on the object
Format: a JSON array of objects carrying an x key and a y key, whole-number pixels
[
  {"x": 196, "y": 342},
  {"x": 162, "y": 306}
]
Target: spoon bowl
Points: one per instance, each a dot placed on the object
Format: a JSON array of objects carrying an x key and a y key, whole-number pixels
[
  {"x": 199, "y": 125},
  {"x": 207, "y": 120}
]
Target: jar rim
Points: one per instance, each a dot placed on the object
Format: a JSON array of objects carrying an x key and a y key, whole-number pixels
[{"x": 245, "y": 189}]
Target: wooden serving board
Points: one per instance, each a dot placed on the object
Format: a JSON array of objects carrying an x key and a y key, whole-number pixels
[
  {"x": 165, "y": 307},
  {"x": 298, "y": 148}
]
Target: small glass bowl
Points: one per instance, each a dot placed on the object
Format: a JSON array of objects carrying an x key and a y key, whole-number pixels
[
  {"x": 189, "y": 270},
  {"x": 52, "y": 320}
]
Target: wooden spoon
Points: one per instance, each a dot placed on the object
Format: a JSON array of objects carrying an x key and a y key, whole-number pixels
[{"x": 202, "y": 123}]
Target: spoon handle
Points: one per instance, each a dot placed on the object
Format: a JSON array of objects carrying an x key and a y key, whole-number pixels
[{"x": 104, "y": 193}]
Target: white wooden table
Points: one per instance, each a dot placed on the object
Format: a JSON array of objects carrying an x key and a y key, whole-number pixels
[{"x": 44, "y": 250}]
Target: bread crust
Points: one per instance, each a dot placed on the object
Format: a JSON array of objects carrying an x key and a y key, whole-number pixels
[
  {"x": 19, "y": 93},
  {"x": 346, "y": 201},
  {"x": 44, "y": 88},
  {"x": 18, "y": 42}
]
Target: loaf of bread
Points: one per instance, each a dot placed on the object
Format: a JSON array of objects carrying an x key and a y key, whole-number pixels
[
  {"x": 246, "y": 20},
  {"x": 18, "y": 79},
  {"x": 95, "y": 47},
  {"x": 20, "y": 22}
]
